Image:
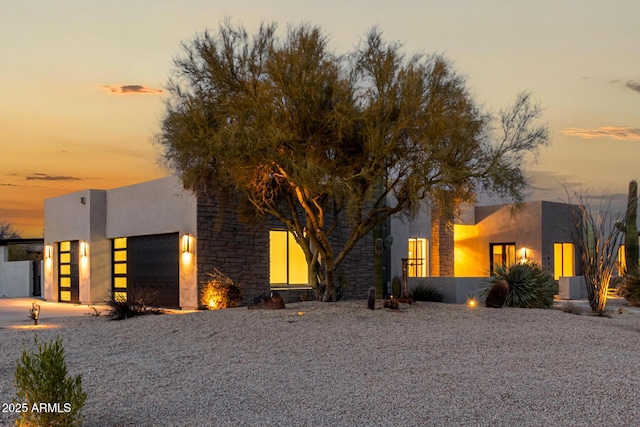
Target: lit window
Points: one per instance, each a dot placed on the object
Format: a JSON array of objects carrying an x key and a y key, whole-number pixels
[
  {"x": 502, "y": 254},
  {"x": 119, "y": 287},
  {"x": 417, "y": 260},
  {"x": 287, "y": 263},
  {"x": 563, "y": 255}
]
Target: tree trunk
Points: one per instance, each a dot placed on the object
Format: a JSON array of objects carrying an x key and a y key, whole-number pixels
[{"x": 330, "y": 293}]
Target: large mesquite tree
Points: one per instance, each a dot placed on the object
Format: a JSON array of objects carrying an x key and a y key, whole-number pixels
[{"x": 320, "y": 140}]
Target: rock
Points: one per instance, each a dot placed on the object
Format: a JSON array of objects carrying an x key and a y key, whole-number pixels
[
  {"x": 390, "y": 303},
  {"x": 497, "y": 294},
  {"x": 267, "y": 301}
]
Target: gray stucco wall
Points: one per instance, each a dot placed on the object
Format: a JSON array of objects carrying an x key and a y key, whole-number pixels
[
  {"x": 16, "y": 277},
  {"x": 97, "y": 216}
]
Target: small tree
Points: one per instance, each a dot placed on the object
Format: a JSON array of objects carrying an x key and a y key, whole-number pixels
[
  {"x": 327, "y": 142},
  {"x": 597, "y": 241},
  {"x": 7, "y": 231},
  {"x": 42, "y": 379}
]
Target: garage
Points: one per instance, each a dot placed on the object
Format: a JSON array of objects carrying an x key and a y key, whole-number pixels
[{"x": 149, "y": 264}]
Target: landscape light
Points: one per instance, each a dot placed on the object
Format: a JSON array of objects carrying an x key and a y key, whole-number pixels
[{"x": 35, "y": 312}]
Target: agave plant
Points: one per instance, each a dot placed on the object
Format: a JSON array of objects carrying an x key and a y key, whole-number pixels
[{"x": 530, "y": 286}]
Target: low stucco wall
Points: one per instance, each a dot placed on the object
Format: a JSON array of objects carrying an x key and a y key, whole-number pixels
[
  {"x": 574, "y": 287},
  {"x": 455, "y": 290},
  {"x": 15, "y": 276}
]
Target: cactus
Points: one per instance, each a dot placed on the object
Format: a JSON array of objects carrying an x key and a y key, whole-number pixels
[{"x": 630, "y": 230}]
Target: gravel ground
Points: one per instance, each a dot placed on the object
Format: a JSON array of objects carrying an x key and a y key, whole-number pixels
[{"x": 319, "y": 364}]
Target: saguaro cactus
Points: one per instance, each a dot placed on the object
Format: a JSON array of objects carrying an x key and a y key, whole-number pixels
[{"x": 630, "y": 230}]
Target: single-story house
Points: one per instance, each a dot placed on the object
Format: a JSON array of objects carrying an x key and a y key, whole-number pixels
[
  {"x": 158, "y": 236},
  {"x": 161, "y": 237}
]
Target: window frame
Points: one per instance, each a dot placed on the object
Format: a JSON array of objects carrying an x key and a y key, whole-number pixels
[
  {"x": 418, "y": 266},
  {"x": 504, "y": 246},
  {"x": 278, "y": 285}
]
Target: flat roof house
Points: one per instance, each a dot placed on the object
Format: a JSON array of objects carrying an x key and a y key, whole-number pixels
[{"x": 159, "y": 237}]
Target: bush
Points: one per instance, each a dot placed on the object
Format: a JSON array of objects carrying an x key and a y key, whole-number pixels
[
  {"x": 137, "y": 303},
  {"x": 572, "y": 308},
  {"x": 529, "y": 285},
  {"x": 630, "y": 290},
  {"x": 426, "y": 293},
  {"x": 42, "y": 379},
  {"x": 220, "y": 292}
]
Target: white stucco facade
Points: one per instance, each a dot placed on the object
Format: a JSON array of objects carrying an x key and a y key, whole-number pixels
[{"x": 96, "y": 217}]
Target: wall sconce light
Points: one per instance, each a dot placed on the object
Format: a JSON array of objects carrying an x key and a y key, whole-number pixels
[
  {"x": 523, "y": 255},
  {"x": 186, "y": 244},
  {"x": 83, "y": 200},
  {"x": 83, "y": 249},
  {"x": 47, "y": 251}
]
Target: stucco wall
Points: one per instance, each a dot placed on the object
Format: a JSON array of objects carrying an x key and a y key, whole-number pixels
[
  {"x": 454, "y": 290},
  {"x": 154, "y": 207},
  {"x": 15, "y": 276},
  {"x": 79, "y": 216},
  {"x": 497, "y": 224},
  {"x": 97, "y": 216},
  {"x": 402, "y": 229}
]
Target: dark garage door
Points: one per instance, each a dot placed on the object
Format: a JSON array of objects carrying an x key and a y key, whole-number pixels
[{"x": 153, "y": 267}]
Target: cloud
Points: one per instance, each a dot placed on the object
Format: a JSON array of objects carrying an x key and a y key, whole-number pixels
[
  {"x": 621, "y": 133},
  {"x": 131, "y": 89},
  {"x": 635, "y": 86},
  {"x": 46, "y": 177}
]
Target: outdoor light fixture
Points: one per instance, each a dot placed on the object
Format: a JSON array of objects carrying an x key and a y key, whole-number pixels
[
  {"x": 83, "y": 249},
  {"x": 523, "y": 255},
  {"x": 35, "y": 312},
  {"x": 47, "y": 251},
  {"x": 186, "y": 244}
]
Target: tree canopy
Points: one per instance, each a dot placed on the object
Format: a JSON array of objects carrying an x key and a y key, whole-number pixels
[{"x": 318, "y": 139}]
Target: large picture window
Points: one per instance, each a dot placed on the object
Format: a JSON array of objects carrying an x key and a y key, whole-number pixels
[
  {"x": 287, "y": 263},
  {"x": 502, "y": 254},
  {"x": 563, "y": 256},
  {"x": 418, "y": 259}
]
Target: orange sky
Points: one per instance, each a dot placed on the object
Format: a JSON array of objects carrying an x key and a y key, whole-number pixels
[{"x": 82, "y": 81}]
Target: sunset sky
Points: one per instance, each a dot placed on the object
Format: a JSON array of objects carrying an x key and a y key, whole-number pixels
[{"x": 83, "y": 81}]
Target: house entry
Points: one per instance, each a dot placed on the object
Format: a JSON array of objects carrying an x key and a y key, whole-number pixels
[{"x": 68, "y": 273}]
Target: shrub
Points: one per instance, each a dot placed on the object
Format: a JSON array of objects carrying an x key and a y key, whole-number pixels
[
  {"x": 572, "y": 308},
  {"x": 42, "y": 379},
  {"x": 220, "y": 292},
  {"x": 137, "y": 303},
  {"x": 529, "y": 285},
  {"x": 426, "y": 293},
  {"x": 630, "y": 290}
]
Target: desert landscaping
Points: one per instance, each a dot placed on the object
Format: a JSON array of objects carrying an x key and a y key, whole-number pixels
[{"x": 316, "y": 364}]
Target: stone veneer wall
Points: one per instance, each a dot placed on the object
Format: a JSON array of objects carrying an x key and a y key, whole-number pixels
[
  {"x": 442, "y": 247},
  {"x": 241, "y": 251}
]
